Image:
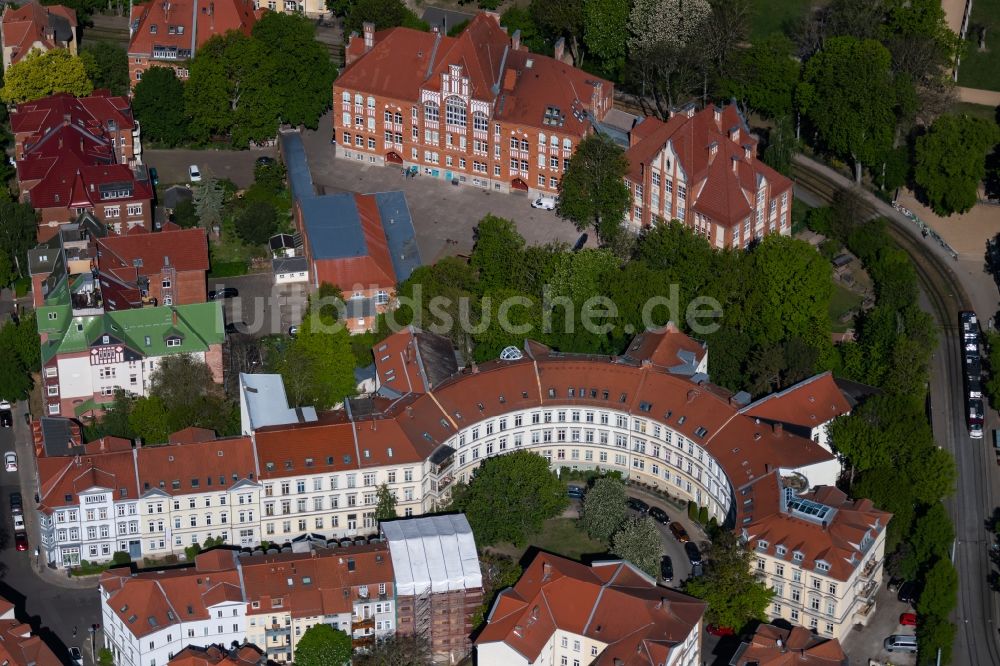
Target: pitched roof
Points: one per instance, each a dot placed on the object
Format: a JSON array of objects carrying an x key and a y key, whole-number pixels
[
  {"x": 776, "y": 646},
  {"x": 182, "y": 249},
  {"x": 61, "y": 479},
  {"x": 99, "y": 113},
  {"x": 18, "y": 646},
  {"x": 217, "y": 655},
  {"x": 30, "y": 24},
  {"x": 322, "y": 581},
  {"x": 196, "y": 466},
  {"x": 717, "y": 155},
  {"x": 809, "y": 404},
  {"x": 413, "y": 361},
  {"x": 180, "y": 27},
  {"x": 668, "y": 348},
  {"x": 611, "y": 602},
  {"x": 263, "y": 402}
]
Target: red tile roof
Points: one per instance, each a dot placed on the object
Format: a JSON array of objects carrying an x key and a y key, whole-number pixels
[
  {"x": 610, "y": 602},
  {"x": 320, "y": 582},
  {"x": 184, "y": 249},
  {"x": 775, "y": 646},
  {"x": 149, "y": 601},
  {"x": 91, "y": 113},
  {"x": 68, "y": 185},
  {"x": 414, "y": 361},
  {"x": 722, "y": 185},
  {"x": 809, "y": 403},
  {"x": 196, "y": 466},
  {"x": 18, "y": 647},
  {"x": 66, "y": 477},
  {"x": 663, "y": 347},
  {"x": 215, "y": 655},
  {"x": 170, "y": 24},
  {"x": 372, "y": 268},
  {"x": 23, "y": 26}
]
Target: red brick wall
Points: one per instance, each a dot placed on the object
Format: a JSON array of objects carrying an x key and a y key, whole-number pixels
[
  {"x": 138, "y": 64},
  {"x": 213, "y": 359}
]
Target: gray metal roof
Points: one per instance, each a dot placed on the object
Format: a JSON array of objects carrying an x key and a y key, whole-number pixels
[
  {"x": 333, "y": 226},
  {"x": 289, "y": 265},
  {"x": 399, "y": 233},
  {"x": 264, "y": 403},
  {"x": 175, "y": 194},
  {"x": 299, "y": 179},
  {"x": 57, "y": 437}
]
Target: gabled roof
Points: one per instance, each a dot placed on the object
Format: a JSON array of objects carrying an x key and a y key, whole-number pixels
[
  {"x": 99, "y": 113},
  {"x": 809, "y": 404},
  {"x": 775, "y": 646},
  {"x": 18, "y": 646},
  {"x": 181, "y": 249},
  {"x": 32, "y": 24},
  {"x": 212, "y": 465},
  {"x": 217, "y": 655},
  {"x": 185, "y": 25},
  {"x": 610, "y": 602},
  {"x": 413, "y": 361},
  {"x": 668, "y": 348},
  {"x": 62, "y": 479}
]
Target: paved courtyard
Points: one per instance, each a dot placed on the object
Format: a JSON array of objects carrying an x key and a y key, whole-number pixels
[
  {"x": 866, "y": 643},
  {"x": 236, "y": 165},
  {"x": 444, "y": 215},
  {"x": 262, "y": 308}
]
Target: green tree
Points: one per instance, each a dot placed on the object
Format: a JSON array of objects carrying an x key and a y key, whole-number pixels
[
  {"x": 499, "y": 572},
  {"x": 638, "y": 541},
  {"x": 120, "y": 558},
  {"x": 850, "y": 96},
  {"x": 734, "y": 595},
  {"x": 6, "y": 271},
  {"x": 940, "y": 593},
  {"x": 303, "y": 91},
  {"x": 149, "y": 420},
  {"x": 498, "y": 254},
  {"x": 592, "y": 192},
  {"x": 15, "y": 382},
  {"x": 322, "y": 645},
  {"x": 764, "y": 77},
  {"x": 42, "y": 74},
  {"x": 318, "y": 365},
  {"x": 781, "y": 146},
  {"x": 383, "y": 13},
  {"x": 935, "y": 633},
  {"x": 156, "y": 102},
  {"x": 208, "y": 199},
  {"x": 18, "y": 226},
  {"x": 397, "y": 650},
  {"x": 185, "y": 215},
  {"x": 519, "y": 18},
  {"x": 106, "y": 65},
  {"x": 605, "y": 33},
  {"x": 385, "y": 508},
  {"x": 930, "y": 539},
  {"x": 189, "y": 396},
  {"x": 950, "y": 161},
  {"x": 257, "y": 223},
  {"x": 105, "y": 657},
  {"x": 509, "y": 497},
  {"x": 604, "y": 508},
  {"x": 561, "y": 18}
]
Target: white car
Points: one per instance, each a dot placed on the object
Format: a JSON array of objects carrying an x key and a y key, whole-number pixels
[
  {"x": 10, "y": 461},
  {"x": 194, "y": 174},
  {"x": 76, "y": 656},
  {"x": 545, "y": 203},
  {"x": 18, "y": 523},
  {"x": 4, "y": 406}
]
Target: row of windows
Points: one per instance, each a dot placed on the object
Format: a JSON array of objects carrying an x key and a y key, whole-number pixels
[{"x": 813, "y": 622}]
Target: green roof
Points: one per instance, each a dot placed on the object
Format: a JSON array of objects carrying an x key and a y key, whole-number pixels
[{"x": 144, "y": 330}]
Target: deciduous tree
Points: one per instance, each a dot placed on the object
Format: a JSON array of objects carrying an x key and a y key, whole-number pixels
[
  {"x": 950, "y": 161},
  {"x": 383, "y": 13},
  {"x": 318, "y": 365},
  {"x": 322, "y": 645},
  {"x": 257, "y": 222},
  {"x": 397, "y": 650},
  {"x": 605, "y": 33},
  {"x": 604, "y": 508},
  {"x": 42, "y": 74},
  {"x": 638, "y": 541},
  {"x": 149, "y": 420},
  {"x": 930, "y": 539},
  {"x": 158, "y": 103},
  {"x": 509, "y": 496},
  {"x": 18, "y": 226},
  {"x": 734, "y": 595},
  {"x": 940, "y": 593},
  {"x": 106, "y": 65},
  {"x": 764, "y": 77},
  {"x": 385, "y": 508},
  {"x": 592, "y": 192}
]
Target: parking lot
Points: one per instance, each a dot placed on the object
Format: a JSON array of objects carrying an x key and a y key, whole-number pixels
[
  {"x": 235, "y": 165},
  {"x": 262, "y": 307},
  {"x": 865, "y": 643},
  {"x": 443, "y": 214}
]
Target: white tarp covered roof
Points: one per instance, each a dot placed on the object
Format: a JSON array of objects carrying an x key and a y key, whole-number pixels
[{"x": 436, "y": 552}]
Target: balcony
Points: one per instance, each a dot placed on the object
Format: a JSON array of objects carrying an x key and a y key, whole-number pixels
[
  {"x": 362, "y": 623},
  {"x": 870, "y": 568},
  {"x": 277, "y": 630},
  {"x": 363, "y": 641},
  {"x": 869, "y": 589}
]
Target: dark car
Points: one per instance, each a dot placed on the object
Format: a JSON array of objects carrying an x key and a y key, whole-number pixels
[
  {"x": 694, "y": 555},
  {"x": 637, "y": 505},
  {"x": 666, "y": 569},
  {"x": 154, "y": 177},
  {"x": 679, "y": 532},
  {"x": 659, "y": 515},
  {"x": 907, "y": 592},
  {"x": 580, "y": 242},
  {"x": 21, "y": 541},
  {"x": 6, "y": 419},
  {"x": 16, "y": 507},
  {"x": 720, "y": 631},
  {"x": 574, "y": 492},
  {"x": 264, "y": 161},
  {"x": 226, "y": 292}
]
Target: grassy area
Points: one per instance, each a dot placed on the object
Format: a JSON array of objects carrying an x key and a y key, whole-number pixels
[
  {"x": 86, "y": 568},
  {"x": 843, "y": 300},
  {"x": 976, "y": 110},
  {"x": 22, "y": 286},
  {"x": 778, "y": 15},
  {"x": 224, "y": 269},
  {"x": 561, "y": 536},
  {"x": 981, "y": 69}
]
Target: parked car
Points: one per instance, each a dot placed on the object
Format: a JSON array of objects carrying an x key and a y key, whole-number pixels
[
  {"x": 15, "y": 503},
  {"x": 659, "y": 515},
  {"x": 716, "y": 630},
  {"x": 574, "y": 492},
  {"x": 6, "y": 419},
  {"x": 907, "y": 592},
  {"x": 154, "y": 177},
  {"x": 637, "y": 504},
  {"x": 900, "y": 643},
  {"x": 908, "y": 619},
  {"x": 194, "y": 173},
  {"x": 10, "y": 461},
  {"x": 264, "y": 160},
  {"x": 580, "y": 242},
  {"x": 545, "y": 203},
  {"x": 18, "y": 522},
  {"x": 226, "y": 292},
  {"x": 679, "y": 532},
  {"x": 21, "y": 541},
  {"x": 293, "y": 331},
  {"x": 76, "y": 656},
  {"x": 694, "y": 555},
  {"x": 666, "y": 569}
]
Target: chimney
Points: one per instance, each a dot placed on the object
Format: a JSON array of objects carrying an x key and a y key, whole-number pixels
[
  {"x": 173, "y": 313},
  {"x": 748, "y": 152},
  {"x": 546, "y": 570},
  {"x": 559, "y": 48},
  {"x": 778, "y": 429},
  {"x": 736, "y": 162},
  {"x": 515, "y": 41},
  {"x": 369, "y": 31}
]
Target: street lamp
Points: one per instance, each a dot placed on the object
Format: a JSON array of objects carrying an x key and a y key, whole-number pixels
[{"x": 93, "y": 636}]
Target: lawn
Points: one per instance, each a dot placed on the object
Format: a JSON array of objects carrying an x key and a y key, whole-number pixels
[
  {"x": 843, "y": 300},
  {"x": 777, "y": 16},
  {"x": 560, "y": 536},
  {"x": 981, "y": 69},
  {"x": 975, "y": 110}
]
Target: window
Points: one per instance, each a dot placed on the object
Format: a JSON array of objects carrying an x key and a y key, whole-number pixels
[
  {"x": 455, "y": 113},
  {"x": 431, "y": 111},
  {"x": 134, "y": 210}
]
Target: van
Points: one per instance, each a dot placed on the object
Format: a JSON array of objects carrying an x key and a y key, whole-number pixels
[{"x": 900, "y": 643}]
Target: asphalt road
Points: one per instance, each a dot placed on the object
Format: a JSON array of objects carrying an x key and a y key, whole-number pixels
[{"x": 54, "y": 613}]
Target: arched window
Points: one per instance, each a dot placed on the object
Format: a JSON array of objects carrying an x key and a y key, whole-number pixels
[
  {"x": 567, "y": 144},
  {"x": 359, "y": 99},
  {"x": 347, "y": 98},
  {"x": 480, "y": 121},
  {"x": 541, "y": 139},
  {"x": 371, "y": 102},
  {"x": 431, "y": 111},
  {"x": 455, "y": 111},
  {"x": 554, "y": 141}
]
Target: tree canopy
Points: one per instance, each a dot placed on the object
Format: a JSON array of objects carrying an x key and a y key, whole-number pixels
[
  {"x": 385, "y": 508},
  {"x": 592, "y": 191},
  {"x": 734, "y": 595},
  {"x": 40, "y": 74},
  {"x": 106, "y": 65},
  {"x": 158, "y": 103},
  {"x": 318, "y": 365},
  {"x": 604, "y": 508},
  {"x": 383, "y": 13},
  {"x": 257, "y": 222},
  {"x": 764, "y": 77},
  {"x": 18, "y": 226},
  {"x": 322, "y": 645},
  {"x": 509, "y": 496},
  {"x": 638, "y": 541},
  {"x": 950, "y": 161}
]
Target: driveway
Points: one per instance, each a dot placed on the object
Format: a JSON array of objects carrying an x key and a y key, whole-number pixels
[
  {"x": 865, "y": 643},
  {"x": 236, "y": 165},
  {"x": 262, "y": 307},
  {"x": 444, "y": 215}
]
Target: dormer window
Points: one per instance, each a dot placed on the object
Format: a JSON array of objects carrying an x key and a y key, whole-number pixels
[
  {"x": 174, "y": 341},
  {"x": 822, "y": 566},
  {"x": 780, "y": 551},
  {"x": 152, "y": 29},
  {"x": 798, "y": 556},
  {"x": 762, "y": 545}
]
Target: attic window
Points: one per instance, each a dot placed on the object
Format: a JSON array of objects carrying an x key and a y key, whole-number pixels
[
  {"x": 622, "y": 397},
  {"x": 572, "y": 392},
  {"x": 444, "y": 423},
  {"x": 388, "y": 451},
  {"x": 681, "y": 419},
  {"x": 605, "y": 394},
  {"x": 309, "y": 462},
  {"x": 194, "y": 483},
  {"x": 132, "y": 618},
  {"x": 288, "y": 464},
  {"x": 148, "y": 341},
  {"x": 269, "y": 466},
  {"x": 347, "y": 458},
  {"x": 700, "y": 431},
  {"x": 180, "y": 30},
  {"x": 524, "y": 394},
  {"x": 503, "y": 400},
  {"x": 123, "y": 492},
  {"x": 152, "y": 29},
  {"x": 329, "y": 460},
  {"x": 479, "y": 406},
  {"x": 170, "y": 615},
  {"x": 306, "y": 580},
  {"x": 368, "y": 453},
  {"x": 645, "y": 406},
  {"x": 798, "y": 556},
  {"x": 175, "y": 484},
  {"x": 552, "y": 393}
]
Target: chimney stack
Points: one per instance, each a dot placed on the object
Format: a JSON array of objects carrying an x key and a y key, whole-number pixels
[
  {"x": 369, "y": 30},
  {"x": 515, "y": 41},
  {"x": 778, "y": 429},
  {"x": 559, "y": 48}
]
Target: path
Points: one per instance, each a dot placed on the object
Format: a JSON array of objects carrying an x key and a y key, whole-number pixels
[
  {"x": 953, "y": 12},
  {"x": 979, "y": 96}
]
